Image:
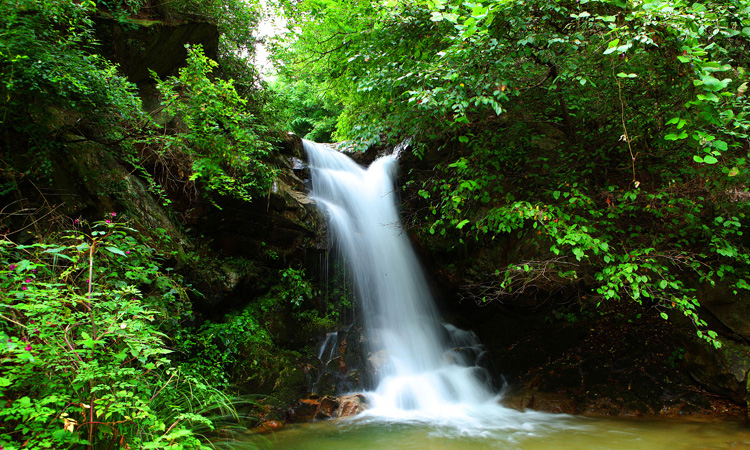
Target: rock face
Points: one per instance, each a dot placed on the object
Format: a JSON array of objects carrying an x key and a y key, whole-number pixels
[
  {"x": 343, "y": 365},
  {"x": 153, "y": 45},
  {"x": 723, "y": 371}
]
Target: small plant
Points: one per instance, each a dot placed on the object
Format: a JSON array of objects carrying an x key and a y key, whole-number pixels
[{"x": 83, "y": 360}]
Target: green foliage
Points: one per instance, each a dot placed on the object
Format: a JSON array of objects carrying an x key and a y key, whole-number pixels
[
  {"x": 304, "y": 111},
  {"x": 240, "y": 347},
  {"x": 227, "y": 352},
  {"x": 46, "y": 62},
  {"x": 84, "y": 360},
  {"x": 121, "y": 10},
  {"x": 225, "y": 141},
  {"x": 296, "y": 289},
  {"x": 609, "y": 136}
]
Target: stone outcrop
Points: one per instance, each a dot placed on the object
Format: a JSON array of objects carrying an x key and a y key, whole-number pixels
[{"x": 153, "y": 45}]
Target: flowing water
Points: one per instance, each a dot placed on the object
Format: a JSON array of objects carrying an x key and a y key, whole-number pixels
[
  {"x": 424, "y": 369},
  {"x": 428, "y": 391}
]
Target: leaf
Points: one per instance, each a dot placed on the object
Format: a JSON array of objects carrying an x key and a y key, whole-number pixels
[
  {"x": 663, "y": 284},
  {"x": 697, "y": 159},
  {"x": 713, "y": 84},
  {"x": 710, "y": 160},
  {"x": 463, "y": 139},
  {"x": 664, "y": 316},
  {"x": 115, "y": 250},
  {"x": 462, "y": 223},
  {"x": 720, "y": 145},
  {"x": 674, "y": 137},
  {"x": 611, "y": 47}
]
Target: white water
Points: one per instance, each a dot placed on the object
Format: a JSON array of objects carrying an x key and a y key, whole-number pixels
[{"x": 423, "y": 376}]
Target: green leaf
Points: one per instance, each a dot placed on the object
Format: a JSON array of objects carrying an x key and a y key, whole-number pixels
[
  {"x": 674, "y": 136},
  {"x": 462, "y": 223},
  {"x": 664, "y": 316},
  {"x": 115, "y": 250},
  {"x": 710, "y": 160},
  {"x": 720, "y": 145},
  {"x": 712, "y": 84},
  {"x": 611, "y": 47}
]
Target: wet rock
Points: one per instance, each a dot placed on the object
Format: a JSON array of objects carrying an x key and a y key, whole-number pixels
[
  {"x": 303, "y": 410},
  {"x": 540, "y": 401},
  {"x": 351, "y": 405},
  {"x": 267, "y": 426},
  {"x": 327, "y": 407}
]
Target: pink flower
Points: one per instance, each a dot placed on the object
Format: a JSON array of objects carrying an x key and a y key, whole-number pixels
[
  {"x": 127, "y": 252},
  {"x": 12, "y": 267},
  {"x": 27, "y": 348},
  {"x": 108, "y": 221},
  {"x": 28, "y": 280},
  {"x": 23, "y": 288},
  {"x": 113, "y": 214}
]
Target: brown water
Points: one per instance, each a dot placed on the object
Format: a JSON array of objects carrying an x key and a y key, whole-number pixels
[{"x": 562, "y": 433}]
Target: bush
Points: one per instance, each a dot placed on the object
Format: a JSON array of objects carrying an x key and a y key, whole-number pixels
[{"x": 84, "y": 361}]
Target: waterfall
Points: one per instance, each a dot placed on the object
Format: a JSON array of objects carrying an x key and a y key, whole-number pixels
[{"x": 422, "y": 369}]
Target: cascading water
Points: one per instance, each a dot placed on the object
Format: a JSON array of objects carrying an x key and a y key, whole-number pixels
[{"x": 422, "y": 377}]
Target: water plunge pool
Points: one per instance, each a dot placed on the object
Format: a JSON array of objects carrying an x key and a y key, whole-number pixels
[{"x": 558, "y": 433}]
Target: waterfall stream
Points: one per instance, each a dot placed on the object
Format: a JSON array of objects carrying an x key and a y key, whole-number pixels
[{"x": 426, "y": 370}]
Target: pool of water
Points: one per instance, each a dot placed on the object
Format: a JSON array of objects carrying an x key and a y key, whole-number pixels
[{"x": 541, "y": 432}]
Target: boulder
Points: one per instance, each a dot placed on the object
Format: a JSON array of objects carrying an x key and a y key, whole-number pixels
[
  {"x": 730, "y": 309},
  {"x": 722, "y": 371},
  {"x": 327, "y": 407}
]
